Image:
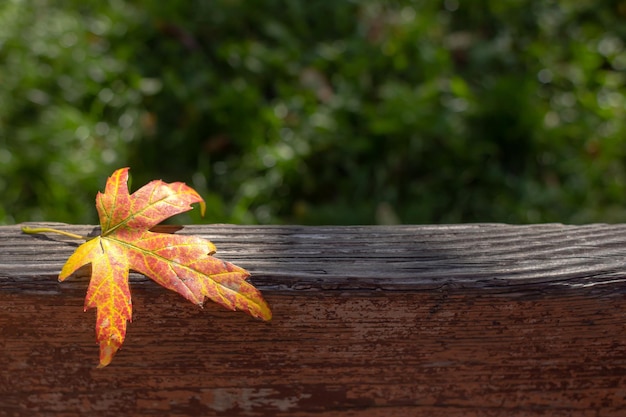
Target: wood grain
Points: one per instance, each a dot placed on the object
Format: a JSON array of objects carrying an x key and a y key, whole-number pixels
[{"x": 467, "y": 320}]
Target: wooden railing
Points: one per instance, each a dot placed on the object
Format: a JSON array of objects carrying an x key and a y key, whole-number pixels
[{"x": 463, "y": 320}]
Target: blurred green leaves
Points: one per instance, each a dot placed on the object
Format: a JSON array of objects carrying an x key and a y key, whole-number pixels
[
  {"x": 67, "y": 107},
  {"x": 318, "y": 112}
]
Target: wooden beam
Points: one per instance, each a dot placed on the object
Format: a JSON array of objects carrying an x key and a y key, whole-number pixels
[{"x": 462, "y": 320}]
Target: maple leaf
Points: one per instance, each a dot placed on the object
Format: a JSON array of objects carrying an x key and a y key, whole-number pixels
[{"x": 180, "y": 263}]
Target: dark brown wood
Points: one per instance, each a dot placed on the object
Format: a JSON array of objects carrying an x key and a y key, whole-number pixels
[{"x": 467, "y": 320}]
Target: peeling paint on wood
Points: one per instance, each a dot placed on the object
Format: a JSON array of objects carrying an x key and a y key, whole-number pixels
[{"x": 530, "y": 335}]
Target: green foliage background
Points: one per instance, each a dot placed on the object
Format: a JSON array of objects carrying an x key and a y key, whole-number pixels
[{"x": 318, "y": 112}]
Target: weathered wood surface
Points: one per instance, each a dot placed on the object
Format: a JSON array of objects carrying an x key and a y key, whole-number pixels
[{"x": 467, "y": 320}]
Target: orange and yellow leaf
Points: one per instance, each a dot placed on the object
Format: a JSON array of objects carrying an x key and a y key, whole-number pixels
[{"x": 180, "y": 263}]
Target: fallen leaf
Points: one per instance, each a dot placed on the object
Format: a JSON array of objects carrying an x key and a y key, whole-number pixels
[{"x": 180, "y": 263}]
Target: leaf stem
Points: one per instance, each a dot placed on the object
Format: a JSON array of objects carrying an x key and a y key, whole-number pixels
[{"x": 34, "y": 230}]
